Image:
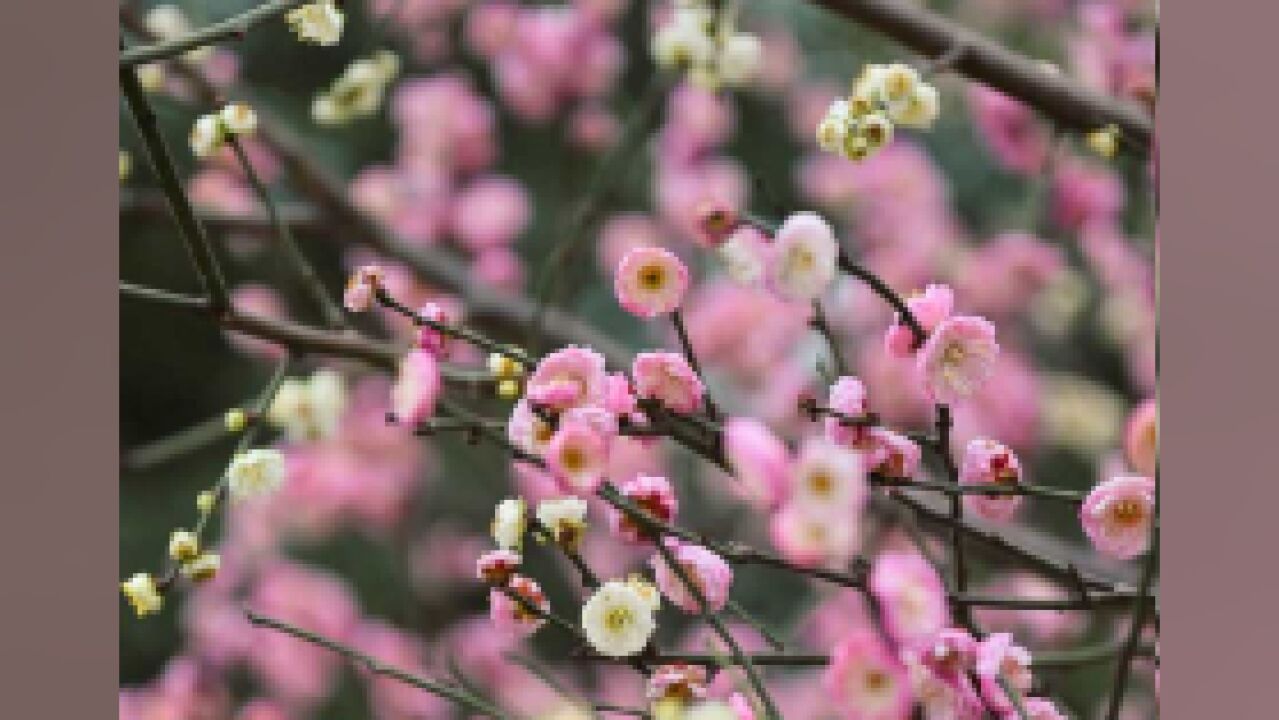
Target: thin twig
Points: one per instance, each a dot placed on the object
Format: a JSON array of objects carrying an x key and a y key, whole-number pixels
[
  {"x": 333, "y": 315},
  {"x": 232, "y": 28},
  {"x": 377, "y": 667},
  {"x": 193, "y": 235}
]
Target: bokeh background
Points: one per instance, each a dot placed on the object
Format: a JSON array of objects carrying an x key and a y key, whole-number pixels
[{"x": 505, "y": 111}]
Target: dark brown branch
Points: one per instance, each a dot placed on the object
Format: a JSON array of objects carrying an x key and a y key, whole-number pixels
[
  {"x": 193, "y": 235},
  {"x": 1062, "y": 100}
]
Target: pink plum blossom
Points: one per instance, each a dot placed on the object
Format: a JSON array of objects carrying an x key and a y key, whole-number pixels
[
  {"x": 911, "y": 596},
  {"x": 1141, "y": 437},
  {"x": 512, "y": 617},
  {"x": 667, "y": 378},
  {"x": 760, "y": 462},
  {"x": 828, "y": 475},
  {"x": 650, "y": 281},
  {"x": 681, "y": 681},
  {"x": 957, "y": 359},
  {"x": 360, "y": 289},
  {"x": 567, "y": 378},
  {"x": 497, "y": 566},
  {"x": 987, "y": 462},
  {"x": 814, "y": 536},
  {"x": 929, "y": 308},
  {"x": 705, "y": 569},
  {"x": 848, "y": 398},
  {"x": 428, "y": 338},
  {"x": 865, "y": 680},
  {"x": 417, "y": 387},
  {"x": 998, "y": 657},
  {"x": 1117, "y": 515},
  {"x": 578, "y": 455},
  {"x": 652, "y": 493},
  {"x": 891, "y": 454},
  {"x": 950, "y": 655}
]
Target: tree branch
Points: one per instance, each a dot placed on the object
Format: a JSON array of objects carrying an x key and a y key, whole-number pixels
[
  {"x": 232, "y": 28},
  {"x": 1065, "y": 102}
]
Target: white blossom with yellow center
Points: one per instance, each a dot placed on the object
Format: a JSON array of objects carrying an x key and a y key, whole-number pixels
[{"x": 618, "y": 619}]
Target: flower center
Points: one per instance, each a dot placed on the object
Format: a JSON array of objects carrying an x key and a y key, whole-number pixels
[
  {"x": 617, "y": 619},
  {"x": 573, "y": 459},
  {"x": 821, "y": 483},
  {"x": 1128, "y": 513},
  {"x": 876, "y": 681},
  {"x": 800, "y": 260},
  {"x": 652, "y": 277},
  {"x": 954, "y": 354}
]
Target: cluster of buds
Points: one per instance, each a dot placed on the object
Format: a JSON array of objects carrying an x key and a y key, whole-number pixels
[
  {"x": 210, "y": 131},
  {"x": 703, "y": 42},
  {"x": 882, "y": 97},
  {"x": 507, "y": 372},
  {"x": 184, "y": 549},
  {"x": 357, "y": 93}
]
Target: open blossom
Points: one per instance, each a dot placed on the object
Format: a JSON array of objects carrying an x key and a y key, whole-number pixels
[
  {"x": 998, "y": 657},
  {"x": 256, "y": 472},
  {"x": 618, "y": 397},
  {"x": 143, "y": 594},
  {"x": 618, "y": 619},
  {"x": 802, "y": 258},
  {"x": 929, "y": 308},
  {"x": 950, "y": 655},
  {"x": 865, "y": 680},
  {"x": 891, "y": 454},
  {"x": 362, "y": 287},
  {"x": 430, "y": 339},
  {"x": 911, "y": 595},
  {"x": 528, "y": 431},
  {"x": 652, "y": 493},
  {"x": 564, "y": 517},
  {"x": 509, "y": 519},
  {"x": 679, "y": 681},
  {"x": 708, "y": 571},
  {"x": 848, "y": 398},
  {"x": 358, "y": 91},
  {"x": 813, "y": 536},
  {"x": 496, "y": 567},
  {"x": 578, "y": 455},
  {"x": 760, "y": 461},
  {"x": 1141, "y": 437},
  {"x": 567, "y": 378},
  {"x": 987, "y": 462},
  {"x": 716, "y": 222},
  {"x": 309, "y": 409},
  {"x": 319, "y": 22},
  {"x": 828, "y": 475},
  {"x": 1117, "y": 515},
  {"x": 666, "y": 377},
  {"x": 650, "y": 281},
  {"x": 416, "y": 388},
  {"x": 958, "y": 358},
  {"x": 938, "y": 698},
  {"x": 512, "y": 616}
]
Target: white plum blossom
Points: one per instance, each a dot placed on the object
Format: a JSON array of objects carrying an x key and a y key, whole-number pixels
[{"x": 618, "y": 619}]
